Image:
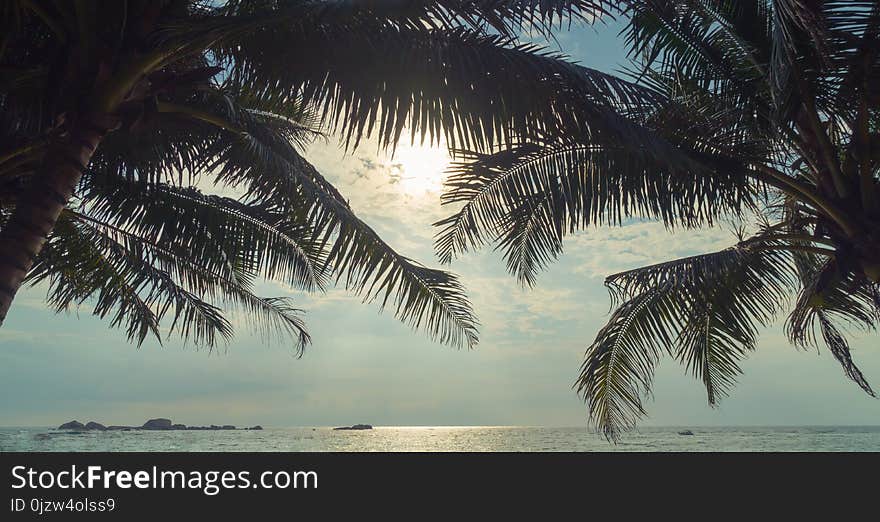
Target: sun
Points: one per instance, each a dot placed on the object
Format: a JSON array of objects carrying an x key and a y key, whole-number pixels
[{"x": 419, "y": 169}]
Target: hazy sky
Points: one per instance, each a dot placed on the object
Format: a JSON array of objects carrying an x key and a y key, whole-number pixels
[{"x": 367, "y": 367}]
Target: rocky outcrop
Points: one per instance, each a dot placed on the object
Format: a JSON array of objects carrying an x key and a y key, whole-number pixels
[
  {"x": 355, "y": 427},
  {"x": 257, "y": 427},
  {"x": 152, "y": 424},
  {"x": 78, "y": 426},
  {"x": 157, "y": 424},
  {"x": 686, "y": 432}
]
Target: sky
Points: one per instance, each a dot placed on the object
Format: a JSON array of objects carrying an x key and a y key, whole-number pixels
[{"x": 365, "y": 366}]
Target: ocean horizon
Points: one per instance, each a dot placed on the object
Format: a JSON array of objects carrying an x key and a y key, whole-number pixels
[{"x": 452, "y": 439}]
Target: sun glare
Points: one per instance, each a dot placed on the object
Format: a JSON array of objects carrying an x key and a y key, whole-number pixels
[{"x": 419, "y": 169}]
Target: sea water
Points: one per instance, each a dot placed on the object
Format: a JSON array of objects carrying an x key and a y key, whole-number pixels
[{"x": 450, "y": 438}]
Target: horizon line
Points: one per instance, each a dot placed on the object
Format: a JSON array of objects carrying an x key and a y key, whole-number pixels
[{"x": 587, "y": 428}]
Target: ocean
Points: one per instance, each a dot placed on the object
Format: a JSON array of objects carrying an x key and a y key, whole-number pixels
[{"x": 451, "y": 438}]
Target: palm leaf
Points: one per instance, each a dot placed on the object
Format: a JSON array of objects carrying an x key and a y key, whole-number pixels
[
  {"x": 272, "y": 172},
  {"x": 471, "y": 89},
  {"x": 160, "y": 279},
  {"x": 228, "y": 236},
  {"x": 703, "y": 310},
  {"x": 619, "y": 366},
  {"x": 828, "y": 297},
  {"x": 527, "y": 198}
]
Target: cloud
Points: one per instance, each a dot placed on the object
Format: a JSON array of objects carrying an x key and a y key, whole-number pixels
[{"x": 603, "y": 251}]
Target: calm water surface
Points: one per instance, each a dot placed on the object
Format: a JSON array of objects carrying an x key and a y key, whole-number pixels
[{"x": 458, "y": 438}]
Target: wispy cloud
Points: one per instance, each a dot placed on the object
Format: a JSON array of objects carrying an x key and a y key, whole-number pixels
[{"x": 603, "y": 251}]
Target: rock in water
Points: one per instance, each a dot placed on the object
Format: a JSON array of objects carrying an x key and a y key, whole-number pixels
[
  {"x": 355, "y": 427},
  {"x": 257, "y": 427},
  {"x": 157, "y": 424},
  {"x": 686, "y": 432},
  {"x": 152, "y": 424}
]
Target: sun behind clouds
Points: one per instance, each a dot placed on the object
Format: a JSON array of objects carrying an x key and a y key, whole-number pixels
[{"x": 419, "y": 170}]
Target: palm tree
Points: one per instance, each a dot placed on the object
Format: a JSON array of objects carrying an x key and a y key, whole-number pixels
[
  {"x": 759, "y": 110},
  {"x": 115, "y": 114}
]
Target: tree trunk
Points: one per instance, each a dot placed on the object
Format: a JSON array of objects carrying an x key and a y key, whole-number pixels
[{"x": 41, "y": 203}]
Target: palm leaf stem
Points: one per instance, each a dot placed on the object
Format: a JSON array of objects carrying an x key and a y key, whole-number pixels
[
  {"x": 201, "y": 115},
  {"x": 826, "y": 147},
  {"x": 803, "y": 193},
  {"x": 24, "y": 149},
  {"x": 797, "y": 248},
  {"x": 793, "y": 237}
]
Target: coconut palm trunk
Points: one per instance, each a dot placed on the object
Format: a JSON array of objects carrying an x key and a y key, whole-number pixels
[{"x": 36, "y": 213}]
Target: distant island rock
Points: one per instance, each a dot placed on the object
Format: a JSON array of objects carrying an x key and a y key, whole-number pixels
[
  {"x": 212, "y": 427},
  {"x": 355, "y": 427},
  {"x": 159, "y": 424},
  {"x": 78, "y": 426},
  {"x": 686, "y": 432}
]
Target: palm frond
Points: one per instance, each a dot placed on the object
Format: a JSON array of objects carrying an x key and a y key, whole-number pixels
[
  {"x": 619, "y": 366},
  {"x": 504, "y": 16},
  {"x": 839, "y": 348},
  {"x": 166, "y": 144},
  {"x": 527, "y": 198},
  {"x": 81, "y": 263},
  {"x": 704, "y": 310},
  {"x": 272, "y": 172},
  {"x": 77, "y": 270},
  {"x": 471, "y": 89},
  {"x": 242, "y": 241},
  {"x": 828, "y": 296},
  {"x": 159, "y": 279}
]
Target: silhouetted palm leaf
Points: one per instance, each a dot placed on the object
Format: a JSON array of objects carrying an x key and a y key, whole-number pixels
[
  {"x": 619, "y": 365},
  {"x": 528, "y": 198},
  {"x": 703, "y": 310},
  {"x": 827, "y": 296},
  {"x": 140, "y": 282},
  {"x": 274, "y": 174}
]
